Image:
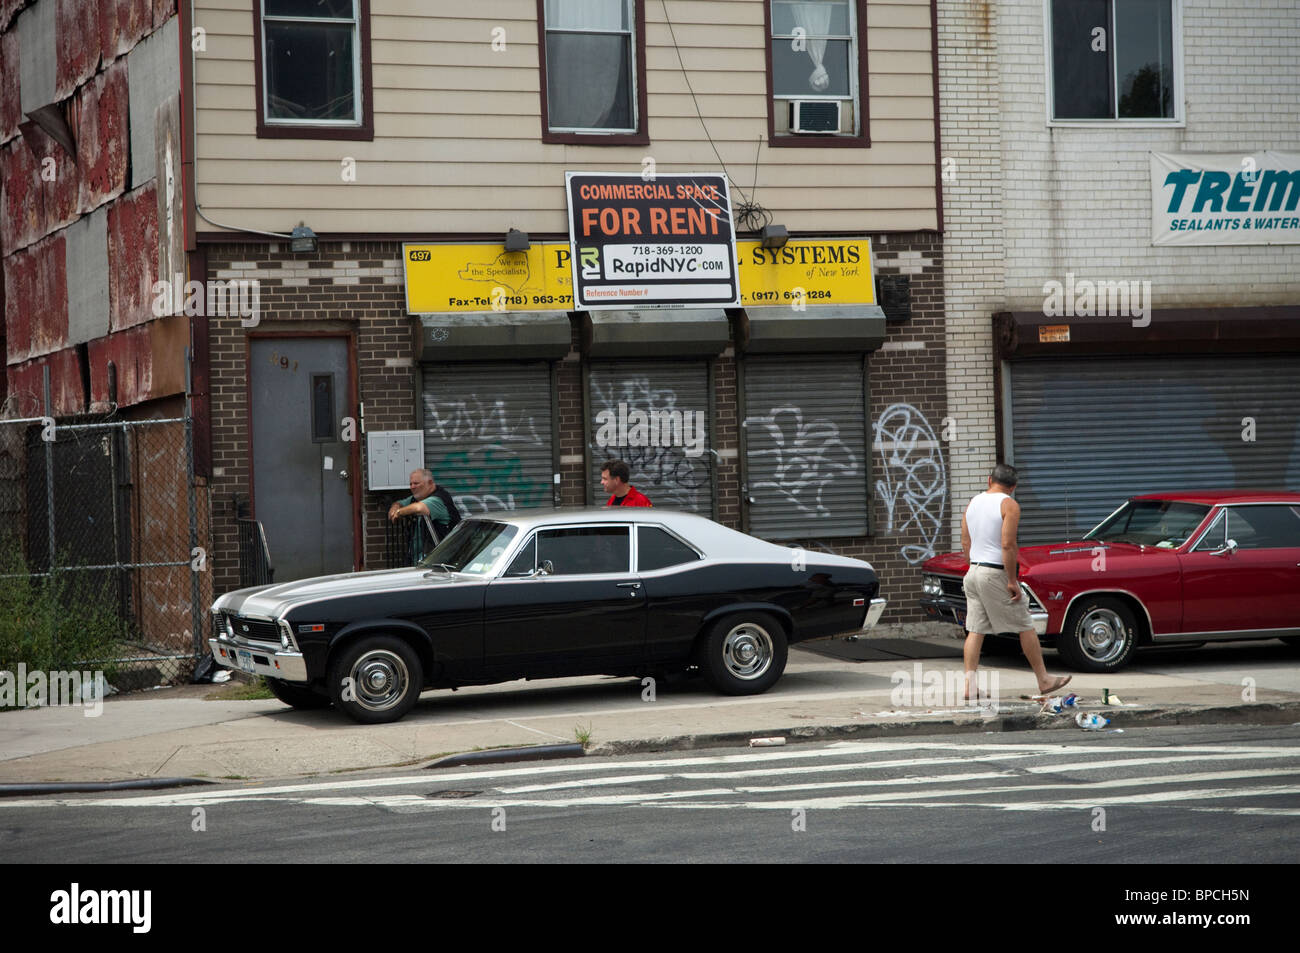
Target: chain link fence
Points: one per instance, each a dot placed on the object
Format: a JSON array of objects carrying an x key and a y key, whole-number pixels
[{"x": 103, "y": 552}]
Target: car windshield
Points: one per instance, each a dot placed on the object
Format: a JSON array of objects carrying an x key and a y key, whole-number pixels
[
  {"x": 1161, "y": 523},
  {"x": 474, "y": 546}
]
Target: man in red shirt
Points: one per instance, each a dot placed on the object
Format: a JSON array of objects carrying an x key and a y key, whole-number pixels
[{"x": 614, "y": 475}]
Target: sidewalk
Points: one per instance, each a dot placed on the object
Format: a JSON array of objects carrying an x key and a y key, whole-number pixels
[{"x": 824, "y": 694}]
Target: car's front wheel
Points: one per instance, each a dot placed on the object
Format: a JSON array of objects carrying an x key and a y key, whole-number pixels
[
  {"x": 376, "y": 679},
  {"x": 744, "y": 654},
  {"x": 1100, "y": 635},
  {"x": 296, "y": 696}
]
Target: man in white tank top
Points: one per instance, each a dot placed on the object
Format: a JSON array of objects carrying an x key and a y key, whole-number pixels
[{"x": 994, "y": 601}]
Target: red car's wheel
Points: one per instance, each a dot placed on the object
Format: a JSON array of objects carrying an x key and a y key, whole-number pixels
[{"x": 1100, "y": 635}]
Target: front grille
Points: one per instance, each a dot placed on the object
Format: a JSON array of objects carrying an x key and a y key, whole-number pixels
[
  {"x": 952, "y": 587},
  {"x": 255, "y": 630}
]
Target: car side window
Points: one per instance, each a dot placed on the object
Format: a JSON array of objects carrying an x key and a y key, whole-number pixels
[
  {"x": 525, "y": 560},
  {"x": 657, "y": 549},
  {"x": 1266, "y": 527},
  {"x": 586, "y": 549}
]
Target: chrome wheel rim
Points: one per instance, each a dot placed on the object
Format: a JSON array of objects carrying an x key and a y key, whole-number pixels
[
  {"x": 1103, "y": 635},
  {"x": 747, "y": 651},
  {"x": 379, "y": 680}
]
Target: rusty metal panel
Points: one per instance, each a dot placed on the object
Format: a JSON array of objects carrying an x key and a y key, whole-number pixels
[
  {"x": 121, "y": 24},
  {"x": 153, "y": 75},
  {"x": 23, "y": 218},
  {"x": 25, "y": 385},
  {"x": 133, "y": 257},
  {"x": 132, "y": 355},
  {"x": 59, "y": 178},
  {"x": 35, "y": 29},
  {"x": 11, "y": 103},
  {"x": 36, "y": 300},
  {"x": 7, "y": 10},
  {"x": 162, "y": 9},
  {"x": 76, "y": 39},
  {"x": 100, "y": 121},
  {"x": 87, "y": 270}
]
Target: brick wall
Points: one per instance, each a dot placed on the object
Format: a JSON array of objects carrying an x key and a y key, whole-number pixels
[{"x": 1026, "y": 203}]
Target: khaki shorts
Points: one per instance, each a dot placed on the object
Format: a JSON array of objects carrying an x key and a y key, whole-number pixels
[{"x": 989, "y": 608}]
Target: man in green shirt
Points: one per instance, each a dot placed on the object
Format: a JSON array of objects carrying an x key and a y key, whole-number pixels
[{"x": 426, "y": 499}]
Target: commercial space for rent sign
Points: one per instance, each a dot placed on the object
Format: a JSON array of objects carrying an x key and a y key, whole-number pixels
[
  {"x": 1225, "y": 199},
  {"x": 664, "y": 242}
]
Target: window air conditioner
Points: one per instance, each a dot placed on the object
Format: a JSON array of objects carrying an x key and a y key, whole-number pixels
[{"x": 815, "y": 116}]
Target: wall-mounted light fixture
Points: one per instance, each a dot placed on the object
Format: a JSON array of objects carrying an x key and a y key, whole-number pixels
[
  {"x": 773, "y": 236},
  {"x": 302, "y": 238},
  {"x": 517, "y": 240}
]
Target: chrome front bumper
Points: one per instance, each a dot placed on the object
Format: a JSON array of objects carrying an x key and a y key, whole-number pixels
[{"x": 259, "y": 658}]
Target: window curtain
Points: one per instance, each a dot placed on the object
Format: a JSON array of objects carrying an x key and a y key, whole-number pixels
[
  {"x": 599, "y": 57},
  {"x": 815, "y": 20}
]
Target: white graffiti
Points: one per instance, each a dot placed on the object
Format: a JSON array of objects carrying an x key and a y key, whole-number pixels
[
  {"x": 803, "y": 458},
  {"x": 473, "y": 449},
  {"x": 913, "y": 472},
  {"x": 670, "y": 475}
]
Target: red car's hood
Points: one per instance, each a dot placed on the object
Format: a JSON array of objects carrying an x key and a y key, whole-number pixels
[{"x": 954, "y": 564}]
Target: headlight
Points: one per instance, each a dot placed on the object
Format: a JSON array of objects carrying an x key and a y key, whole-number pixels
[
  {"x": 930, "y": 585},
  {"x": 229, "y": 624}
]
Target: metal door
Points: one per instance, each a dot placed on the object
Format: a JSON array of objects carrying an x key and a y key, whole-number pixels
[{"x": 303, "y": 482}]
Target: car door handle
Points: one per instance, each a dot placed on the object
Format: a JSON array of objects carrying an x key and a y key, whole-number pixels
[{"x": 629, "y": 585}]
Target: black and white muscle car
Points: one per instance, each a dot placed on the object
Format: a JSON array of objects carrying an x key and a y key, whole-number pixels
[{"x": 543, "y": 594}]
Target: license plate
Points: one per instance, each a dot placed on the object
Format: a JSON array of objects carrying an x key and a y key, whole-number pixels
[
  {"x": 961, "y": 617},
  {"x": 245, "y": 660}
]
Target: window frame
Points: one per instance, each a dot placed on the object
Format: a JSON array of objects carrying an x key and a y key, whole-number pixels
[
  {"x": 638, "y": 136},
  {"x": 1179, "y": 119},
  {"x": 858, "y": 81},
  {"x": 362, "y": 129}
]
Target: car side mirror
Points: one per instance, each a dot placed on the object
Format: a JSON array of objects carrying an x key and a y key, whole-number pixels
[{"x": 1227, "y": 549}]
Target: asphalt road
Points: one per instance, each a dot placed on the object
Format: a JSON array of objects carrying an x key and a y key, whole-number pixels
[{"x": 1156, "y": 795}]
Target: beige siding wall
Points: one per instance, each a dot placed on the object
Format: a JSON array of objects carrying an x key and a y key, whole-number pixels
[{"x": 458, "y": 147}]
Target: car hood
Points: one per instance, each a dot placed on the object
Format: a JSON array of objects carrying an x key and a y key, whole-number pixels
[
  {"x": 1032, "y": 556},
  {"x": 275, "y": 600}
]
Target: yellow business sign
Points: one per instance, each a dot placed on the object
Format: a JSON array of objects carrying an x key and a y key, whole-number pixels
[{"x": 470, "y": 278}]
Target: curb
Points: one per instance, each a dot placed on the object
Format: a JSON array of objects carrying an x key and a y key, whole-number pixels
[
  {"x": 1273, "y": 713},
  {"x": 21, "y": 788},
  {"x": 509, "y": 755}
]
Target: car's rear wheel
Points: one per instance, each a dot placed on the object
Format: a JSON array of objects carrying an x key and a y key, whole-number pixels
[
  {"x": 376, "y": 679},
  {"x": 297, "y": 696},
  {"x": 1100, "y": 635},
  {"x": 744, "y": 654}
]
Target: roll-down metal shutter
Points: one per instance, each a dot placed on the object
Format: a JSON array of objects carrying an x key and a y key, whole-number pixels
[
  {"x": 488, "y": 434},
  {"x": 669, "y": 454},
  {"x": 805, "y": 448},
  {"x": 1087, "y": 434}
]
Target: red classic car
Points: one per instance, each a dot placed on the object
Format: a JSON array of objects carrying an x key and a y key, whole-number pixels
[{"x": 1164, "y": 568}]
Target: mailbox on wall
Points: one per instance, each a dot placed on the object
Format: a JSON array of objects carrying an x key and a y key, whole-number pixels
[{"x": 391, "y": 455}]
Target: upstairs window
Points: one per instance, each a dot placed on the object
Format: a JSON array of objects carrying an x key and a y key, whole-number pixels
[
  {"x": 817, "y": 78},
  {"x": 593, "y": 67},
  {"x": 313, "y": 70},
  {"x": 1113, "y": 60}
]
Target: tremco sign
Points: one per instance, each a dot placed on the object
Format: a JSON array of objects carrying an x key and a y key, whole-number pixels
[{"x": 1225, "y": 199}]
